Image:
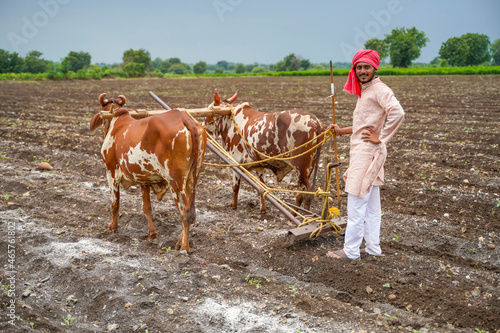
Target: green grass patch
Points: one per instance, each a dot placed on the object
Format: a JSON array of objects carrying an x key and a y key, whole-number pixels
[{"x": 117, "y": 73}]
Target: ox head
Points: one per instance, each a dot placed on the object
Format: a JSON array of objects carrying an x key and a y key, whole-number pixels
[
  {"x": 211, "y": 123},
  {"x": 106, "y": 105}
]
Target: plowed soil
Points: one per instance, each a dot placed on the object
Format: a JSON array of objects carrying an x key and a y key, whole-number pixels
[{"x": 440, "y": 231}]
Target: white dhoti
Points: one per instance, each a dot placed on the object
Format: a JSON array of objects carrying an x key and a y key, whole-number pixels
[{"x": 364, "y": 215}]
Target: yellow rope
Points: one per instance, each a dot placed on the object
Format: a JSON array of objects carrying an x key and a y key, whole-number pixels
[
  {"x": 327, "y": 135},
  {"x": 332, "y": 212},
  {"x": 266, "y": 189},
  {"x": 328, "y": 213},
  {"x": 278, "y": 157}
]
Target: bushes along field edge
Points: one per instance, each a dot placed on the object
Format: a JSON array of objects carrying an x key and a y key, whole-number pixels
[{"x": 110, "y": 74}]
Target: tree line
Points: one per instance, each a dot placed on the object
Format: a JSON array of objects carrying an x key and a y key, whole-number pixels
[{"x": 402, "y": 46}]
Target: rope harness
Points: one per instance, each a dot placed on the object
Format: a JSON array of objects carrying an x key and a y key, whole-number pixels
[
  {"x": 326, "y": 136},
  {"x": 328, "y": 213}
]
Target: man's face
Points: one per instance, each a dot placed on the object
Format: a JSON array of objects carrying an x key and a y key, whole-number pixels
[{"x": 365, "y": 72}]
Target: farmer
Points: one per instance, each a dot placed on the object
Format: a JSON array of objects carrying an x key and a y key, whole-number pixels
[{"x": 377, "y": 117}]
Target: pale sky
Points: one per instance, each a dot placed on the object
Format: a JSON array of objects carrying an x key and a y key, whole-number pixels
[{"x": 245, "y": 31}]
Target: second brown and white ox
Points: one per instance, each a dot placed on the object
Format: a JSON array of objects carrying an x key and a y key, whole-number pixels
[
  {"x": 271, "y": 133},
  {"x": 160, "y": 153}
]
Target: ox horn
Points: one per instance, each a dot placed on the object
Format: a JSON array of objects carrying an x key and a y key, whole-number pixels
[
  {"x": 232, "y": 98},
  {"x": 216, "y": 98},
  {"x": 102, "y": 100},
  {"x": 124, "y": 100}
]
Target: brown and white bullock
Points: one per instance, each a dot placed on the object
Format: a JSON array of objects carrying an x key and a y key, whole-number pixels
[
  {"x": 164, "y": 152},
  {"x": 271, "y": 133}
]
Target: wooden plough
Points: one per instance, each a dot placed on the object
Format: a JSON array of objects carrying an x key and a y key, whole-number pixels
[{"x": 301, "y": 232}]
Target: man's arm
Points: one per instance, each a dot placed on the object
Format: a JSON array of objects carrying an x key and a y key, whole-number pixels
[
  {"x": 335, "y": 129},
  {"x": 370, "y": 135},
  {"x": 394, "y": 114}
]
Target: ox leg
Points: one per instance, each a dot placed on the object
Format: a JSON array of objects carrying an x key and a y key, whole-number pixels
[
  {"x": 183, "y": 243},
  {"x": 263, "y": 207},
  {"x": 181, "y": 201},
  {"x": 236, "y": 189},
  {"x": 115, "y": 205},
  {"x": 146, "y": 208},
  {"x": 304, "y": 185}
]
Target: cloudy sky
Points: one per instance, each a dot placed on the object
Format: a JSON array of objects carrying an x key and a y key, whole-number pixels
[{"x": 245, "y": 31}]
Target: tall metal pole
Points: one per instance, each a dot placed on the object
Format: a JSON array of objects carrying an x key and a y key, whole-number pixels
[{"x": 334, "y": 137}]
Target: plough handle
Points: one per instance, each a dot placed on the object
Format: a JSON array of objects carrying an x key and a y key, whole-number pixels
[{"x": 162, "y": 103}]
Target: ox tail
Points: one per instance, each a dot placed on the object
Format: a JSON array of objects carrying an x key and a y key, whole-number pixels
[{"x": 194, "y": 171}]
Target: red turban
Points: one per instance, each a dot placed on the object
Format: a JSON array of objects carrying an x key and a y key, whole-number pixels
[{"x": 371, "y": 57}]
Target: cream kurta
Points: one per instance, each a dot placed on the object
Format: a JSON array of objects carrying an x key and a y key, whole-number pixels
[{"x": 378, "y": 109}]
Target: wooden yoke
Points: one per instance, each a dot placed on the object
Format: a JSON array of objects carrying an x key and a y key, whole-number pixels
[{"x": 201, "y": 112}]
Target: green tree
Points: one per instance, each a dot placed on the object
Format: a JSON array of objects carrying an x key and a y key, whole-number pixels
[
  {"x": 165, "y": 65},
  {"x": 10, "y": 62},
  {"x": 305, "y": 64},
  {"x": 495, "y": 52},
  {"x": 259, "y": 69},
  {"x": 435, "y": 61},
  {"x": 174, "y": 61},
  {"x": 289, "y": 63},
  {"x": 240, "y": 68},
  {"x": 134, "y": 69},
  {"x": 405, "y": 45},
  {"x": 75, "y": 61},
  {"x": 156, "y": 63},
  {"x": 138, "y": 56},
  {"x": 249, "y": 68},
  {"x": 479, "y": 45},
  {"x": 94, "y": 72},
  {"x": 379, "y": 45},
  {"x": 223, "y": 63},
  {"x": 455, "y": 51},
  {"x": 33, "y": 63},
  {"x": 179, "y": 69},
  {"x": 200, "y": 67},
  {"x": 219, "y": 70}
]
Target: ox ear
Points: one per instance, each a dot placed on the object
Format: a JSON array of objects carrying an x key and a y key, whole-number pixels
[
  {"x": 231, "y": 99},
  {"x": 216, "y": 98},
  {"x": 102, "y": 101},
  {"x": 95, "y": 122},
  {"x": 123, "y": 100}
]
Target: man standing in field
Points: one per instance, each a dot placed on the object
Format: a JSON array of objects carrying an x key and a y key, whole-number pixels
[{"x": 377, "y": 117}]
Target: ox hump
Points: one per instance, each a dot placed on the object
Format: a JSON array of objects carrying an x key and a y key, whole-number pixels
[{"x": 120, "y": 112}]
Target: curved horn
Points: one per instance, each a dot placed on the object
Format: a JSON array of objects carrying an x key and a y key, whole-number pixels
[
  {"x": 124, "y": 100},
  {"x": 232, "y": 98},
  {"x": 102, "y": 100},
  {"x": 216, "y": 98}
]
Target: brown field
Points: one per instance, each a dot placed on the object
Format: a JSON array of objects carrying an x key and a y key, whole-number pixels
[{"x": 440, "y": 229}]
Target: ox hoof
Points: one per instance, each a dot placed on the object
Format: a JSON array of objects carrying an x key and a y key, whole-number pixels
[
  {"x": 152, "y": 236},
  {"x": 114, "y": 230},
  {"x": 182, "y": 249}
]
